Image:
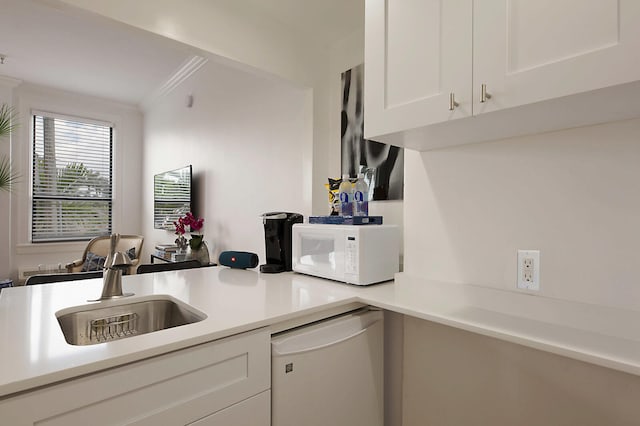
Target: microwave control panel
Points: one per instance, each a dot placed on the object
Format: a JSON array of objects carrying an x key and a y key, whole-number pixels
[{"x": 351, "y": 254}]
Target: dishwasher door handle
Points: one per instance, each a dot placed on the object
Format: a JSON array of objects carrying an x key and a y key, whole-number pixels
[
  {"x": 323, "y": 335},
  {"x": 276, "y": 352}
]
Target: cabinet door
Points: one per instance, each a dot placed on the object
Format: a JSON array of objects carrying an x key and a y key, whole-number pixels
[
  {"x": 528, "y": 51},
  {"x": 417, "y": 53},
  {"x": 172, "y": 389}
]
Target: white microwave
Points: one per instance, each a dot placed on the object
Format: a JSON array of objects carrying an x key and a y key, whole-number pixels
[{"x": 354, "y": 254}]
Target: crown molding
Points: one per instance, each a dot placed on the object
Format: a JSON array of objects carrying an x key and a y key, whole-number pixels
[
  {"x": 186, "y": 70},
  {"x": 9, "y": 82}
]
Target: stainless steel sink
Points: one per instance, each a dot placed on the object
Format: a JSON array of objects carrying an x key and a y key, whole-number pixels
[{"x": 97, "y": 323}]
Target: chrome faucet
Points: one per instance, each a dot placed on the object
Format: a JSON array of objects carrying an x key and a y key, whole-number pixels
[{"x": 112, "y": 276}]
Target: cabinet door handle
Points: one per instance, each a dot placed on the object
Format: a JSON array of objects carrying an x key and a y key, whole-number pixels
[
  {"x": 484, "y": 95},
  {"x": 452, "y": 101}
]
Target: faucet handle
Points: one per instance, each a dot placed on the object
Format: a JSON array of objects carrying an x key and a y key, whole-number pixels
[
  {"x": 115, "y": 238},
  {"x": 120, "y": 259}
]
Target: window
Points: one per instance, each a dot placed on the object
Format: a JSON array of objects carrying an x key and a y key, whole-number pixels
[{"x": 72, "y": 175}]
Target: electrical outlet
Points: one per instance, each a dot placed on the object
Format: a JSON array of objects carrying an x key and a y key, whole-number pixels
[{"x": 529, "y": 270}]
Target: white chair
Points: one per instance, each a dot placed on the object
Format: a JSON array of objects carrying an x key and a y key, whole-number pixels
[{"x": 98, "y": 249}]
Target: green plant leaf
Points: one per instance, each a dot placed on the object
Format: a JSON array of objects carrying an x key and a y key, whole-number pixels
[
  {"x": 8, "y": 122},
  {"x": 7, "y": 177},
  {"x": 196, "y": 241},
  {"x": 8, "y": 119}
]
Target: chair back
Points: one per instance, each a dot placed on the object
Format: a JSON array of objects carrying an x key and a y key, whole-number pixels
[
  {"x": 56, "y": 278},
  {"x": 173, "y": 266},
  {"x": 101, "y": 245}
]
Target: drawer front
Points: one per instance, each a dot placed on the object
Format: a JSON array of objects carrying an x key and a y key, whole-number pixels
[{"x": 175, "y": 388}]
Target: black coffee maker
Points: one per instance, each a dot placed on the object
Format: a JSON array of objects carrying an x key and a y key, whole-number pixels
[{"x": 277, "y": 240}]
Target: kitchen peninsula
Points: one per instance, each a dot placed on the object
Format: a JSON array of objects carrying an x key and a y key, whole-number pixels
[{"x": 238, "y": 301}]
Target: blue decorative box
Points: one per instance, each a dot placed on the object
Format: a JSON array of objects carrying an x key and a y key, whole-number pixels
[{"x": 346, "y": 220}]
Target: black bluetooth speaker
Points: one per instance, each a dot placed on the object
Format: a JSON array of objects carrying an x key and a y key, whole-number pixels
[{"x": 238, "y": 259}]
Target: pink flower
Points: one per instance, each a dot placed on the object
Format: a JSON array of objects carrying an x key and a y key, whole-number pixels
[
  {"x": 179, "y": 227},
  {"x": 195, "y": 224}
]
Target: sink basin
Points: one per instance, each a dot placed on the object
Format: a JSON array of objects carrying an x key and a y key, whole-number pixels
[{"x": 97, "y": 323}]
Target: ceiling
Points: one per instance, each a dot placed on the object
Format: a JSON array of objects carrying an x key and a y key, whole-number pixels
[
  {"x": 56, "y": 46},
  {"x": 50, "y": 46}
]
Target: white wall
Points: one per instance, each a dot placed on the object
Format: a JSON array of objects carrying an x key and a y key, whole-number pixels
[
  {"x": 243, "y": 138},
  {"x": 345, "y": 55},
  {"x": 571, "y": 194},
  {"x": 126, "y": 170},
  {"x": 239, "y": 33}
]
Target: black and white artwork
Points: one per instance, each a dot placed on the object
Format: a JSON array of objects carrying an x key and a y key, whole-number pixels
[{"x": 382, "y": 164}]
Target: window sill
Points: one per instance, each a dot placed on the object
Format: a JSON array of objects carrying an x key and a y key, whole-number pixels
[{"x": 61, "y": 247}]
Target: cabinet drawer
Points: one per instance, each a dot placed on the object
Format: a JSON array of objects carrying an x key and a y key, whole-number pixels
[{"x": 176, "y": 388}]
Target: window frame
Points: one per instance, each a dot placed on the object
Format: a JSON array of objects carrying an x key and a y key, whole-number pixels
[{"x": 32, "y": 157}]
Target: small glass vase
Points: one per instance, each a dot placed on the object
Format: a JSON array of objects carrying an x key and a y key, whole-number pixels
[
  {"x": 182, "y": 244},
  {"x": 198, "y": 250}
]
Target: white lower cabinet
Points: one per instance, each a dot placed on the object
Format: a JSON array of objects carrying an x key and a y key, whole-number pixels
[{"x": 222, "y": 382}]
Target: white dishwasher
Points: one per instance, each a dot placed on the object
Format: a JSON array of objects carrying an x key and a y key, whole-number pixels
[{"x": 329, "y": 373}]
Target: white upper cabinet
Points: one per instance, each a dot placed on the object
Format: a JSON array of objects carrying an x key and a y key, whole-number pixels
[
  {"x": 562, "y": 63},
  {"x": 529, "y": 51},
  {"x": 418, "y": 59}
]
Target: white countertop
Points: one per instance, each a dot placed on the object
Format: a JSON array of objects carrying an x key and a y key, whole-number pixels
[
  {"x": 606, "y": 336},
  {"x": 33, "y": 351}
]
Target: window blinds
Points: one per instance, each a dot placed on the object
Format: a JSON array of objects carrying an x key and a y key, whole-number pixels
[{"x": 72, "y": 178}]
